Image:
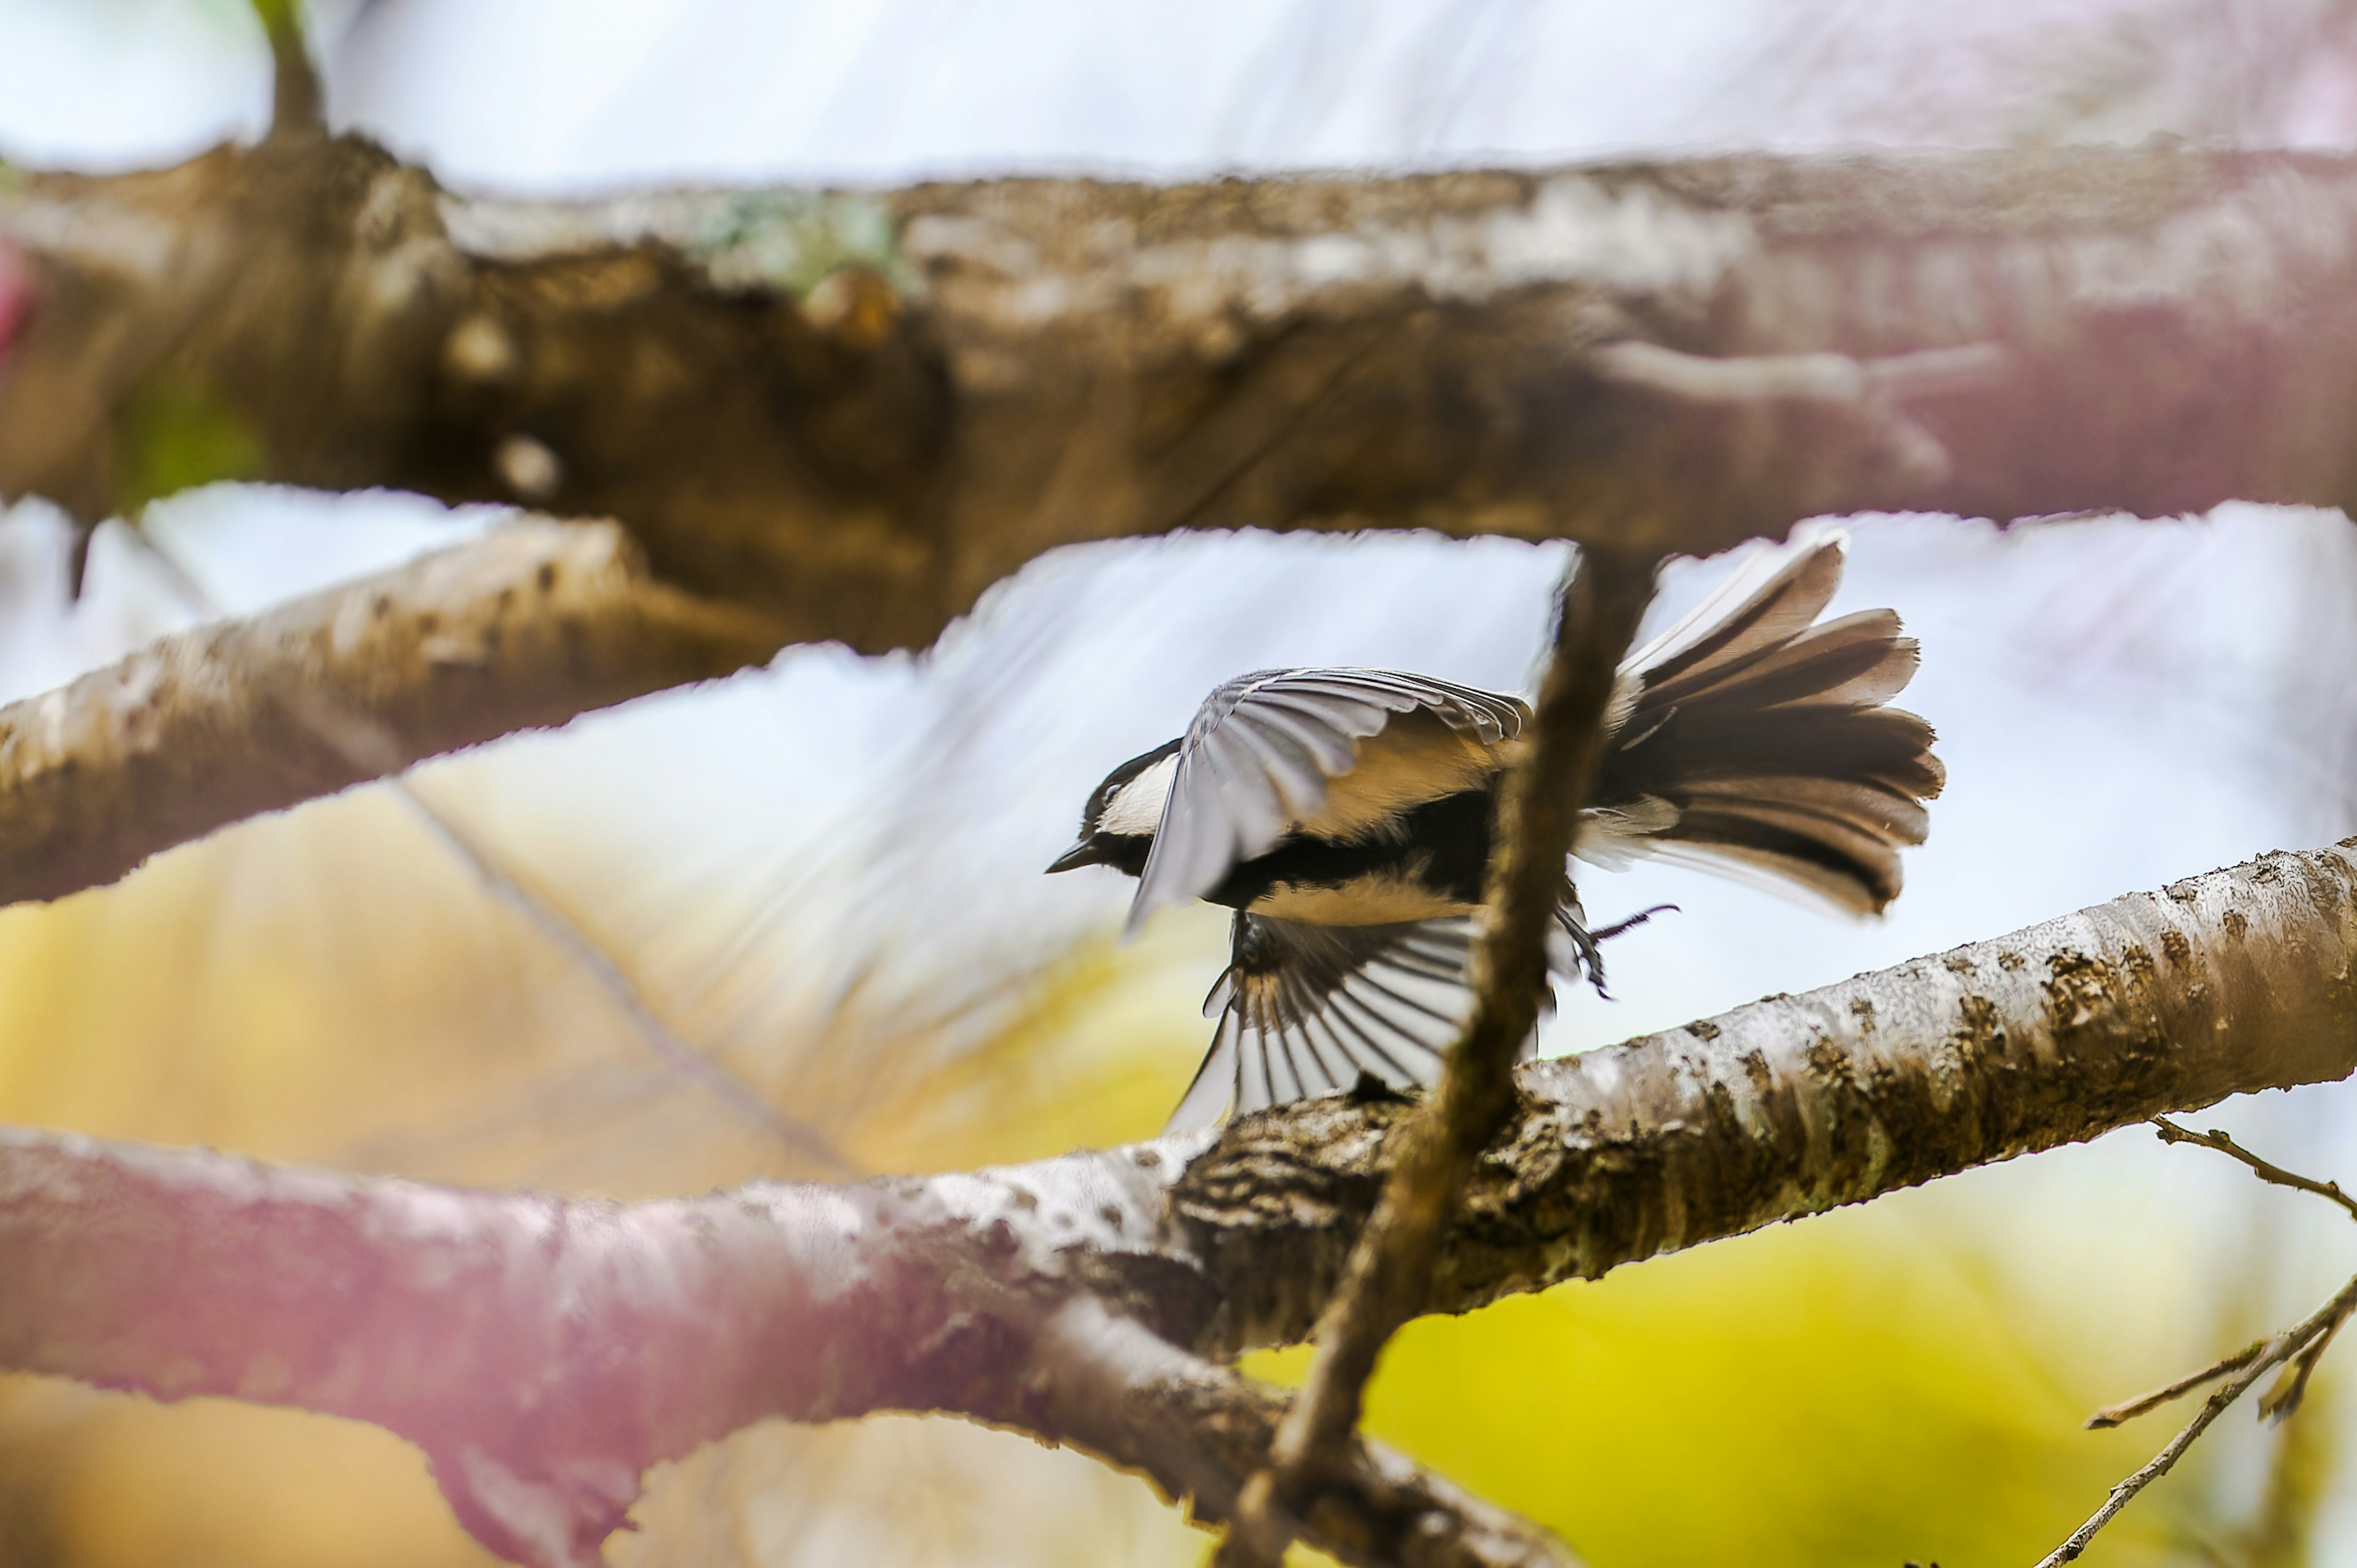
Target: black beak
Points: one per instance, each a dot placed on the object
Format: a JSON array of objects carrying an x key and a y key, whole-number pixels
[{"x": 1079, "y": 854}]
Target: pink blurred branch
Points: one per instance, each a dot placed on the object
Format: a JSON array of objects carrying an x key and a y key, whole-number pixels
[{"x": 544, "y": 1353}]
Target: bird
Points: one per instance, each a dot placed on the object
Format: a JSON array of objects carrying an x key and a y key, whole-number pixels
[{"x": 1345, "y": 816}]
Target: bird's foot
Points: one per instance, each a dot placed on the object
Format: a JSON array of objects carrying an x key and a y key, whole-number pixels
[{"x": 1588, "y": 942}]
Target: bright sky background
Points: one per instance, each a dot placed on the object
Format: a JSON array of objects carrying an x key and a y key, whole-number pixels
[{"x": 2119, "y": 704}]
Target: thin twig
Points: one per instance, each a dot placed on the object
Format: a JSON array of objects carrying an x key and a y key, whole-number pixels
[
  {"x": 1388, "y": 1277},
  {"x": 2279, "y": 1401},
  {"x": 2171, "y": 1133},
  {"x": 2323, "y": 1321},
  {"x": 2128, "y": 1409},
  {"x": 571, "y": 938},
  {"x": 298, "y": 105},
  {"x": 2303, "y": 1345},
  {"x": 568, "y": 935},
  {"x": 2158, "y": 1466}
]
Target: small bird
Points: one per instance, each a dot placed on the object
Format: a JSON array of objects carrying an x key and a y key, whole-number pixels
[{"x": 1345, "y": 815}]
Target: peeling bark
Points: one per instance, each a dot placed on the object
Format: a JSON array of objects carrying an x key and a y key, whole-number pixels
[
  {"x": 529, "y": 625},
  {"x": 545, "y": 1352},
  {"x": 858, "y": 411}
]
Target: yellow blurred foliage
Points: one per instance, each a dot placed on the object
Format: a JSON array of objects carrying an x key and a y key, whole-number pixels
[
  {"x": 1826, "y": 1394},
  {"x": 330, "y": 986}
]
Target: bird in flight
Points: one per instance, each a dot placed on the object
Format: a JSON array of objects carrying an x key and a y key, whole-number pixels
[{"x": 1345, "y": 815}]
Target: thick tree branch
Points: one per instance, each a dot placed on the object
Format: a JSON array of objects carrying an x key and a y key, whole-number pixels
[
  {"x": 544, "y": 1353},
  {"x": 1388, "y": 1276},
  {"x": 861, "y": 410},
  {"x": 855, "y": 412},
  {"x": 529, "y": 625}
]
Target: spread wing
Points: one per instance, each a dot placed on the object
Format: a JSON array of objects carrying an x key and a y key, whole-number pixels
[
  {"x": 1305, "y": 1009},
  {"x": 1259, "y": 757}
]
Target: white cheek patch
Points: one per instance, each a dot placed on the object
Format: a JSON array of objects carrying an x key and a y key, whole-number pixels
[{"x": 1135, "y": 809}]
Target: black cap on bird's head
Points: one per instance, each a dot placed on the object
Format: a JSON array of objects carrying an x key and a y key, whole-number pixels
[{"x": 1118, "y": 827}]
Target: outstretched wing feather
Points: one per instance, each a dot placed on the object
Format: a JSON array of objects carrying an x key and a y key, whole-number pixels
[
  {"x": 1260, "y": 752},
  {"x": 1304, "y": 1010}
]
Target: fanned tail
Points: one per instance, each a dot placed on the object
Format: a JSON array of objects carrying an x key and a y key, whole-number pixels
[{"x": 1768, "y": 744}]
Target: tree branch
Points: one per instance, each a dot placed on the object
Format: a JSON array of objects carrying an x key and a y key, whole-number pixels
[
  {"x": 1113, "y": 1386},
  {"x": 298, "y": 104},
  {"x": 2265, "y": 1170},
  {"x": 860, "y": 410},
  {"x": 529, "y": 625},
  {"x": 2324, "y": 1321},
  {"x": 855, "y": 412},
  {"x": 2113, "y": 1415},
  {"x": 1388, "y": 1277},
  {"x": 561, "y": 931},
  {"x": 2297, "y": 1349},
  {"x": 544, "y": 1353}
]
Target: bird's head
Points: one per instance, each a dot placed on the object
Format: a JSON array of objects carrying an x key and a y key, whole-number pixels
[{"x": 1118, "y": 828}]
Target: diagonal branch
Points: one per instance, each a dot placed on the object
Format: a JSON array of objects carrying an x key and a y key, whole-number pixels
[
  {"x": 544, "y": 1353},
  {"x": 562, "y": 931},
  {"x": 2113, "y": 1415},
  {"x": 1113, "y": 1386},
  {"x": 2265, "y": 1170},
  {"x": 707, "y": 1070},
  {"x": 2305, "y": 1340},
  {"x": 2297, "y": 1349},
  {"x": 529, "y": 625},
  {"x": 1389, "y": 1275}
]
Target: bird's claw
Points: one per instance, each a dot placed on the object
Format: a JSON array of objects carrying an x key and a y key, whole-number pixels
[{"x": 1588, "y": 944}]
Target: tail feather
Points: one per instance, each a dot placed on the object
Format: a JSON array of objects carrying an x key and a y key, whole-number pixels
[
  {"x": 1859, "y": 660},
  {"x": 1733, "y": 626},
  {"x": 1869, "y": 806},
  {"x": 1768, "y": 740},
  {"x": 1751, "y": 852}
]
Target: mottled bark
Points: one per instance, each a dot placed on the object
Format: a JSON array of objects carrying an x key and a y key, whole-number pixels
[
  {"x": 528, "y": 625},
  {"x": 852, "y": 413},
  {"x": 860, "y": 410},
  {"x": 2221, "y": 984},
  {"x": 544, "y": 1352}
]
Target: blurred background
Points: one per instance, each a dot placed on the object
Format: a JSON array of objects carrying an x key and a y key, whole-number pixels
[{"x": 793, "y": 923}]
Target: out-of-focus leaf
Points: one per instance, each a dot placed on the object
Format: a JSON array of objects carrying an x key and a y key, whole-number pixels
[{"x": 1821, "y": 1395}]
